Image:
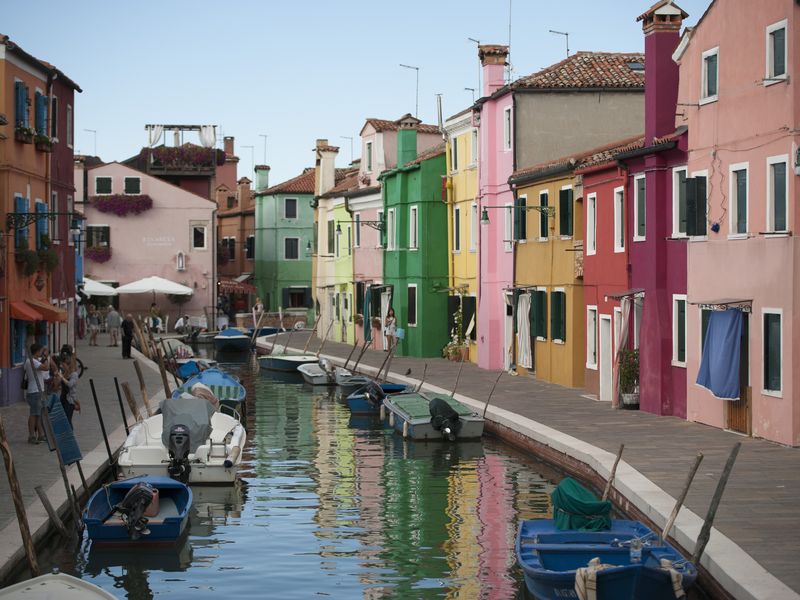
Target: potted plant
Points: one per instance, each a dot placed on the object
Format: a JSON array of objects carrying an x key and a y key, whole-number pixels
[
  {"x": 359, "y": 319},
  {"x": 28, "y": 259},
  {"x": 48, "y": 259},
  {"x": 457, "y": 349},
  {"x": 24, "y": 134},
  {"x": 98, "y": 254},
  {"x": 43, "y": 143},
  {"x": 376, "y": 322},
  {"x": 629, "y": 378}
]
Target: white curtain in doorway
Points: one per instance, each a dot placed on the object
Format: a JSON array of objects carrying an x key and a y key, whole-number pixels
[
  {"x": 524, "y": 331},
  {"x": 207, "y": 136},
  {"x": 386, "y": 300},
  {"x": 154, "y": 134},
  {"x": 625, "y": 304}
]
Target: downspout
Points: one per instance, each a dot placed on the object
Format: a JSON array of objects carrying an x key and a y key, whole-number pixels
[{"x": 213, "y": 324}]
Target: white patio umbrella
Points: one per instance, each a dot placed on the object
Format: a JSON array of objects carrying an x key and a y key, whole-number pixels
[
  {"x": 155, "y": 285},
  {"x": 95, "y": 288}
]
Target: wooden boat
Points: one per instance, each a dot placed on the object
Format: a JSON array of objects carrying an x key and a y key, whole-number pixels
[
  {"x": 143, "y": 509},
  {"x": 551, "y": 559},
  {"x": 232, "y": 340},
  {"x": 209, "y": 452},
  {"x": 431, "y": 417},
  {"x": 320, "y": 373},
  {"x": 367, "y": 400},
  {"x": 226, "y": 387},
  {"x": 55, "y": 585},
  {"x": 286, "y": 362}
]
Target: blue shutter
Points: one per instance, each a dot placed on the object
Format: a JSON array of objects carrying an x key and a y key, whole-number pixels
[
  {"x": 25, "y": 117},
  {"x": 39, "y": 113},
  {"x": 41, "y": 224},
  {"x": 18, "y": 104}
]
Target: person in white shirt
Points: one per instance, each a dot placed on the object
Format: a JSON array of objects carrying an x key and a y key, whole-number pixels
[
  {"x": 37, "y": 370},
  {"x": 182, "y": 324}
]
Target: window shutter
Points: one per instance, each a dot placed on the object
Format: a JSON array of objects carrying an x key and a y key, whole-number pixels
[
  {"x": 519, "y": 219},
  {"x": 696, "y": 206},
  {"x": 41, "y": 224},
  {"x": 307, "y": 298},
  {"x": 563, "y": 316},
  {"x": 681, "y": 331},
  {"x": 285, "y": 297},
  {"x": 555, "y": 307},
  {"x": 565, "y": 212},
  {"x": 543, "y": 199},
  {"x": 19, "y": 101},
  {"x": 541, "y": 317}
]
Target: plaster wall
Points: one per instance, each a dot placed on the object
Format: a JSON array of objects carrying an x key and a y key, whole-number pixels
[{"x": 368, "y": 255}]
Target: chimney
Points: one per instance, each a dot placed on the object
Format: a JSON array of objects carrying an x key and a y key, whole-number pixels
[
  {"x": 243, "y": 193},
  {"x": 262, "y": 177},
  {"x": 325, "y": 172},
  {"x": 493, "y": 60},
  {"x": 661, "y": 25},
  {"x": 228, "y": 145},
  {"x": 406, "y": 139}
]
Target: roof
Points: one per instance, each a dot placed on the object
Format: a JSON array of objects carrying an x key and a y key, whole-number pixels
[
  {"x": 588, "y": 70},
  {"x": 427, "y": 154},
  {"x": 302, "y": 184},
  {"x": 347, "y": 182},
  {"x": 384, "y": 125},
  {"x": 662, "y": 4},
  {"x": 52, "y": 70},
  {"x": 460, "y": 113}
]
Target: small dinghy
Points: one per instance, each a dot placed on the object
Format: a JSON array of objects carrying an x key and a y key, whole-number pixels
[
  {"x": 144, "y": 509},
  {"x": 431, "y": 417},
  {"x": 286, "y": 362},
  {"x": 55, "y": 585},
  {"x": 226, "y": 387},
  {"x": 368, "y": 398},
  {"x": 232, "y": 340},
  {"x": 322, "y": 372}
]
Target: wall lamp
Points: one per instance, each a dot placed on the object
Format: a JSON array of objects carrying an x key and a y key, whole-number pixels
[
  {"x": 310, "y": 252},
  {"x": 379, "y": 225},
  {"x": 550, "y": 211}
]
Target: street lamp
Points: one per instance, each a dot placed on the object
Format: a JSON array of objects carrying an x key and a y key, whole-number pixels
[
  {"x": 416, "y": 110},
  {"x": 550, "y": 211}
]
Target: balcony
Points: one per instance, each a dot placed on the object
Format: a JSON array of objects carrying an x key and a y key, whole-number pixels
[{"x": 186, "y": 160}]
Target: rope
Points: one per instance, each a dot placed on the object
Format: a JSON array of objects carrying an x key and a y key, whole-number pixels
[
  {"x": 675, "y": 577},
  {"x": 586, "y": 579}
]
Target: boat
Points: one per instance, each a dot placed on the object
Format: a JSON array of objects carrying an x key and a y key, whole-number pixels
[
  {"x": 231, "y": 340},
  {"x": 368, "y": 398},
  {"x": 262, "y": 331},
  {"x": 188, "y": 368},
  {"x": 55, "y": 585},
  {"x": 145, "y": 509},
  {"x": 176, "y": 349},
  {"x": 582, "y": 547},
  {"x": 426, "y": 416},
  {"x": 226, "y": 387},
  {"x": 283, "y": 361},
  {"x": 197, "y": 445},
  {"x": 322, "y": 373}
]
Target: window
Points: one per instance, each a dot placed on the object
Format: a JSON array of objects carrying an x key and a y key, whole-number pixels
[
  {"x": 777, "y": 193},
  {"x": 40, "y": 113},
  {"x": 591, "y": 337},
  {"x": 70, "y": 127},
  {"x": 133, "y": 185},
  {"x": 591, "y": 224},
  {"x": 291, "y": 248},
  {"x": 231, "y": 248},
  {"x": 508, "y": 227},
  {"x": 412, "y": 305},
  {"x": 679, "y": 330},
  {"x": 331, "y": 236},
  {"x": 250, "y": 247},
  {"x": 357, "y": 219},
  {"x": 539, "y": 314},
  {"x": 558, "y": 315},
  {"x": 56, "y": 218},
  {"x": 454, "y": 154},
  {"x": 98, "y": 236},
  {"x": 231, "y": 201},
  {"x": 710, "y": 68},
  {"x": 391, "y": 231},
  {"x": 543, "y": 225},
  {"x": 337, "y": 243},
  {"x": 290, "y": 208},
  {"x": 381, "y": 233},
  {"x": 565, "y": 211},
  {"x": 368, "y": 157},
  {"x": 679, "y": 202},
  {"x": 21, "y": 206},
  {"x": 102, "y": 185},
  {"x": 54, "y": 117},
  {"x": 520, "y": 218},
  {"x": 413, "y": 228},
  {"x": 198, "y": 237},
  {"x": 776, "y": 53},
  {"x": 638, "y": 314},
  {"x": 457, "y": 229},
  {"x": 21, "y": 104},
  {"x": 772, "y": 351},
  {"x": 619, "y": 219},
  {"x": 360, "y": 293},
  {"x": 639, "y": 207},
  {"x": 507, "y": 131},
  {"x": 697, "y": 204},
  {"x": 474, "y": 147},
  {"x": 42, "y": 224},
  {"x": 473, "y": 227},
  {"x": 738, "y": 196},
  {"x": 349, "y": 240}
]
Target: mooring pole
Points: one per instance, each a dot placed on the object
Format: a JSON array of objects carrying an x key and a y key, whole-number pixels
[
  {"x": 102, "y": 424},
  {"x": 458, "y": 378},
  {"x": 610, "y": 481},
  {"x": 349, "y": 356},
  {"x": 122, "y": 408},
  {"x": 422, "y": 381},
  {"x": 679, "y": 502},
  {"x": 142, "y": 387},
  {"x": 496, "y": 381}
]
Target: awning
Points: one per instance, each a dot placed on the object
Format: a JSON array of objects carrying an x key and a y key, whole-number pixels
[
  {"x": 23, "y": 312},
  {"x": 625, "y": 294},
  {"x": 232, "y": 286},
  {"x": 725, "y": 304},
  {"x": 48, "y": 311},
  {"x": 243, "y": 277}
]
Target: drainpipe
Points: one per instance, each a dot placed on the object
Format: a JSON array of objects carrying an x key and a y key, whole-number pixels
[{"x": 213, "y": 324}]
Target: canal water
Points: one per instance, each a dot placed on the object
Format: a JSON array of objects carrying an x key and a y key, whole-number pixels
[{"x": 335, "y": 506}]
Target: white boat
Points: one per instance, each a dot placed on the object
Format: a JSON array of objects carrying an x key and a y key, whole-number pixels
[
  {"x": 286, "y": 362},
  {"x": 55, "y": 585},
  {"x": 206, "y": 451},
  {"x": 322, "y": 373}
]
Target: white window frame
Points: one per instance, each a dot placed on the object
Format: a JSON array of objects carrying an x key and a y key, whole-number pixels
[
  {"x": 253, "y": 257},
  {"x": 545, "y": 216},
  {"x": 357, "y": 238},
  {"x": 125, "y": 183},
  {"x": 591, "y": 224},
  {"x": 774, "y": 160},
  {"x": 703, "y": 173},
  {"x": 637, "y": 320},
  {"x": 205, "y": 236},
  {"x": 96, "y": 193},
  {"x": 70, "y": 128},
  {"x": 676, "y": 212},
  {"x": 619, "y": 218},
  {"x": 474, "y": 148},
  {"x": 454, "y": 154},
  {"x": 416, "y": 305},
  {"x": 636, "y": 236},
  {"x": 508, "y": 227},
  {"x": 704, "y": 97},
  {"x": 379, "y": 232},
  {"x": 508, "y": 128},
  {"x": 70, "y": 238},
  {"x": 413, "y": 227},
  {"x": 734, "y": 201},
  {"x": 675, "y": 299},
  {"x": 296, "y": 208},
  {"x": 769, "y": 77},
  {"x": 617, "y": 325},
  {"x": 55, "y": 234},
  {"x": 456, "y": 230},
  {"x": 591, "y": 336},
  {"x": 473, "y": 227},
  {"x": 540, "y": 288},
  {"x": 368, "y": 157},
  {"x": 766, "y": 392},
  {"x": 337, "y": 238},
  {"x": 391, "y": 230}
]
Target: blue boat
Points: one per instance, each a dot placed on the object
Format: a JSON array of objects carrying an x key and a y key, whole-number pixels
[
  {"x": 145, "y": 509},
  {"x": 232, "y": 340},
  {"x": 225, "y": 386},
  {"x": 367, "y": 400},
  {"x": 262, "y": 331}
]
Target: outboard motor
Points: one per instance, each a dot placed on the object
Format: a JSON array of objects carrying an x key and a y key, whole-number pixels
[
  {"x": 329, "y": 368},
  {"x": 374, "y": 393},
  {"x": 444, "y": 418},
  {"x": 179, "y": 467},
  {"x": 132, "y": 508}
]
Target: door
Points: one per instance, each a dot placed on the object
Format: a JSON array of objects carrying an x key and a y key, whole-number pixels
[
  {"x": 739, "y": 416},
  {"x": 386, "y": 300},
  {"x": 345, "y": 315},
  {"x": 508, "y": 335},
  {"x": 606, "y": 359},
  {"x": 331, "y": 316}
]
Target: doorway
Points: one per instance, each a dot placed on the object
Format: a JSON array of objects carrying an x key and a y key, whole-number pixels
[
  {"x": 386, "y": 302},
  {"x": 508, "y": 332},
  {"x": 739, "y": 412},
  {"x": 606, "y": 360}
]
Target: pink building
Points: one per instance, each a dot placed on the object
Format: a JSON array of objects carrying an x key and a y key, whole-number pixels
[
  {"x": 738, "y": 97},
  {"x": 171, "y": 237}
]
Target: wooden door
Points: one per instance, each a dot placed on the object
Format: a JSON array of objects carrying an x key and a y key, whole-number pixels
[{"x": 739, "y": 417}]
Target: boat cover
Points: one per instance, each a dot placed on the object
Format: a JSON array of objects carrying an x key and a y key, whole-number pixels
[
  {"x": 190, "y": 411},
  {"x": 575, "y": 507}
]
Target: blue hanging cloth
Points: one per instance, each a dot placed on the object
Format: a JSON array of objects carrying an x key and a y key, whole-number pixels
[
  {"x": 367, "y": 319},
  {"x": 719, "y": 366}
]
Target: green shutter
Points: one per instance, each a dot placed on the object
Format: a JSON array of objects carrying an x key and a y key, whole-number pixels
[
  {"x": 681, "y": 317},
  {"x": 555, "y": 310},
  {"x": 543, "y": 201},
  {"x": 741, "y": 200},
  {"x": 778, "y": 52},
  {"x": 779, "y": 196},
  {"x": 563, "y": 311},
  {"x": 565, "y": 212},
  {"x": 772, "y": 352},
  {"x": 641, "y": 207}
]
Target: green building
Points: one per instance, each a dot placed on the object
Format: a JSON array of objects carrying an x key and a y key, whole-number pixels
[
  {"x": 415, "y": 255},
  {"x": 284, "y": 230}
]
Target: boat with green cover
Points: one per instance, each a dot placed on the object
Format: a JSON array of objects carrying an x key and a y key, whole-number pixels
[{"x": 428, "y": 416}]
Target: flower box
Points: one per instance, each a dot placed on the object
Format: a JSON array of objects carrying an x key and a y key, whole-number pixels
[
  {"x": 43, "y": 143},
  {"x": 24, "y": 135},
  {"x": 98, "y": 254},
  {"x": 122, "y": 204}
]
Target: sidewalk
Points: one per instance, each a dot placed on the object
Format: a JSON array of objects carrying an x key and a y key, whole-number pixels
[
  {"x": 759, "y": 511},
  {"x": 35, "y": 465}
]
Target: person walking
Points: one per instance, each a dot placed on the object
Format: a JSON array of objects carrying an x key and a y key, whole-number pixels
[
  {"x": 390, "y": 328},
  {"x": 68, "y": 377},
  {"x": 155, "y": 318},
  {"x": 113, "y": 323},
  {"x": 93, "y": 319},
  {"x": 36, "y": 367},
  {"x": 127, "y": 335}
]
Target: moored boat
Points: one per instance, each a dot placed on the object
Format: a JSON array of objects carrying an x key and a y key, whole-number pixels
[
  {"x": 322, "y": 373},
  {"x": 368, "y": 398},
  {"x": 286, "y": 362},
  {"x": 55, "y": 585},
  {"x": 145, "y": 509},
  {"x": 425, "y": 416},
  {"x": 223, "y": 385},
  {"x": 232, "y": 340}
]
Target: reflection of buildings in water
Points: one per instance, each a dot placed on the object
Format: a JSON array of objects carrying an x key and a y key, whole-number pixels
[
  {"x": 214, "y": 506},
  {"x": 533, "y": 496}
]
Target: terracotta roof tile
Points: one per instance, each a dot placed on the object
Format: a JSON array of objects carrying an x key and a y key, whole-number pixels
[
  {"x": 427, "y": 154},
  {"x": 589, "y": 70},
  {"x": 348, "y": 182},
  {"x": 384, "y": 125},
  {"x": 302, "y": 184}
]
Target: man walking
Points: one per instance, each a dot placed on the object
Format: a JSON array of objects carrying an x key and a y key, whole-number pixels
[
  {"x": 127, "y": 335},
  {"x": 113, "y": 323}
]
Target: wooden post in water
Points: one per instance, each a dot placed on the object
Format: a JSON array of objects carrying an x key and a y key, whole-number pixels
[
  {"x": 682, "y": 497},
  {"x": 496, "y": 381},
  {"x": 458, "y": 378},
  {"x": 613, "y": 473},
  {"x": 349, "y": 356},
  {"x": 141, "y": 339},
  {"x": 361, "y": 355},
  {"x": 126, "y": 389},
  {"x": 164, "y": 380},
  {"x": 102, "y": 424},
  {"x": 121, "y": 408},
  {"x": 19, "y": 505},
  {"x": 142, "y": 387},
  {"x": 166, "y": 358},
  {"x": 422, "y": 381},
  {"x": 705, "y": 532},
  {"x": 324, "y": 339},
  {"x": 311, "y": 335},
  {"x": 54, "y": 518}
]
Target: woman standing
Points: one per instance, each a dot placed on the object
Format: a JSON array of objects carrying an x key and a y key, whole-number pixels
[
  {"x": 93, "y": 319},
  {"x": 36, "y": 367},
  {"x": 390, "y": 328},
  {"x": 68, "y": 377}
]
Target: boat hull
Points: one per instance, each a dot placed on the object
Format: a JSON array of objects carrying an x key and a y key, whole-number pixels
[
  {"x": 359, "y": 404},
  {"x": 226, "y": 387},
  {"x": 314, "y": 374},
  {"x": 55, "y": 585},
  {"x": 405, "y": 414},
  {"x": 286, "y": 362},
  {"x": 232, "y": 343}
]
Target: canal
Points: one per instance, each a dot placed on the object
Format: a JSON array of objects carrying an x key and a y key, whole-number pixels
[{"x": 335, "y": 506}]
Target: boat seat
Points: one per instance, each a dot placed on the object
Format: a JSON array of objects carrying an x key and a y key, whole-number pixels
[
  {"x": 150, "y": 455},
  {"x": 225, "y": 392},
  {"x": 167, "y": 509}
]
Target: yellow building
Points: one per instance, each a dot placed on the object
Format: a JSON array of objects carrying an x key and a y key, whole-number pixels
[
  {"x": 548, "y": 276},
  {"x": 463, "y": 224}
]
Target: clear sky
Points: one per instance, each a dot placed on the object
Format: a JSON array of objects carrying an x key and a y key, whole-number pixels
[{"x": 294, "y": 70}]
